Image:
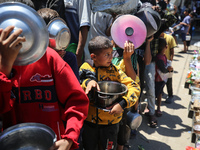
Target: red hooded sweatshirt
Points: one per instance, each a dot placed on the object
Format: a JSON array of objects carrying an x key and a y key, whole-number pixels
[{"x": 46, "y": 92}]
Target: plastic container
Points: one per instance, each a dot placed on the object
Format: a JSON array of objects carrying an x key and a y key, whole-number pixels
[{"x": 188, "y": 37}]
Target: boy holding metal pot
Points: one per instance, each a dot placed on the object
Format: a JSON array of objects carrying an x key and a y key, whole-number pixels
[
  {"x": 102, "y": 125},
  {"x": 45, "y": 91}
]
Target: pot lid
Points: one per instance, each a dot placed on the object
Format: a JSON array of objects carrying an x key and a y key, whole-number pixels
[
  {"x": 128, "y": 28},
  {"x": 34, "y": 30}
]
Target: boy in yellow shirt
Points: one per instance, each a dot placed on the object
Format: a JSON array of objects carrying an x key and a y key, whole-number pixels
[{"x": 101, "y": 127}]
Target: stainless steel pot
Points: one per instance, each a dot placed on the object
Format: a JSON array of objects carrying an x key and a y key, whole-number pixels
[
  {"x": 34, "y": 30},
  {"x": 134, "y": 120},
  {"x": 27, "y": 136},
  {"x": 111, "y": 91},
  {"x": 59, "y": 34}
]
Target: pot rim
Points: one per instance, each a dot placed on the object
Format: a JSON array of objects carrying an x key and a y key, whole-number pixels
[
  {"x": 120, "y": 93},
  {"x": 32, "y": 125}
]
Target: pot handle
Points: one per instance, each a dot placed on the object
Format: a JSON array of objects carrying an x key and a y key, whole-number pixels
[{"x": 105, "y": 97}]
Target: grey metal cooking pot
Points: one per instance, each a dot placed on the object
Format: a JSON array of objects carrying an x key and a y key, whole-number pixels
[
  {"x": 110, "y": 92},
  {"x": 27, "y": 136},
  {"x": 34, "y": 30},
  {"x": 134, "y": 120},
  {"x": 151, "y": 19},
  {"x": 59, "y": 34}
]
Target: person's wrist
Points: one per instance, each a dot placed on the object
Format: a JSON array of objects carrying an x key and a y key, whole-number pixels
[
  {"x": 6, "y": 69},
  {"x": 127, "y": 57}
]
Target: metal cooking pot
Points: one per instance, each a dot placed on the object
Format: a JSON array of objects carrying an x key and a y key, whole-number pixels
[
  {"x": 34, "y": 30},
  {"x": 27, "y": 136},
  {"x": 110, "y": 93},
  {"x": 59, "y": 34},
  {"x": 134, "y": 120},
  {"x": 151, "y": 19}
]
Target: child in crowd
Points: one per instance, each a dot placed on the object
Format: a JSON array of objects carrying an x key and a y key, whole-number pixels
[
  {"x": 191, "y": 27},
  {"x": 48, "y": 15},
  {"x": 57, "y": 100},
  {"x": 161, "y": 70},
  {"x": 123, "y": 59},
  {"x": 171, "y": 44},
  {"x": 184, "y": 25},
  {"x": 103, "y": 130},
  {"x": 126, "y": 59}
]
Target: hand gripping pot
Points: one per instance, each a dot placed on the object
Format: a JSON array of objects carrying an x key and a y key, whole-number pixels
[
  {"x": 34, "y": 30},
  {"x": 27, "y": 136},
  {"x": 59, "y": 34},
  {"x": 110, "y": 92}
]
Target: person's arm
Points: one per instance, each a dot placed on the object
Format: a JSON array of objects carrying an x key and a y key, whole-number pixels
[
  {"x": 108, "y": 33},
  {"x": 9, "y": 48},
  {"x": 128, "y": 51},
  {"x": 161, "y": 66},
  {"x": 62, "y": 144},
  {"x": 84, "y": 14},
  {"x": 138, "y": 69},
  {"x": 74, "y": 100},
  {"x": 83, "y": 33},
  {"x": 171, "y": 54},
  {"x": 133, "y": 89},
  {"x": 175, "y": 9},
  {"x": 188, "y": 32},
  {"x": 147, "y": 52}
]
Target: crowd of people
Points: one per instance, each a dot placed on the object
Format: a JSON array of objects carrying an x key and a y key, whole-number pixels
[{"x": 65, "y": 101}]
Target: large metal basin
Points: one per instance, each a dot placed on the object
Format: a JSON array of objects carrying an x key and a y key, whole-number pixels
[
  {"x": 27, "y": 136},
  {"x": 110, "y": 93}
]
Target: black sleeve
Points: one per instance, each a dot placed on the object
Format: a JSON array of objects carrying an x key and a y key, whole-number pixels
[
  {"x": 123, "y": 103},
  {"x": 161, "y": 66}
]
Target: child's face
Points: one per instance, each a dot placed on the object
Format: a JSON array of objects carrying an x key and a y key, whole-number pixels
[
  {"x": 164, "y": 49},
  {"x": 104, "y": 58},
  {"x": 185, "y": 13}
]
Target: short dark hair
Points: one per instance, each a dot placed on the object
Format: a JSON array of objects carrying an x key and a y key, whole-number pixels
[
  {"x": 48, "y": 14},
  {"x": 27, "y": 2},
  {"x": 99, "y": 43},
  {"x": 192, "y": 13},
  {"x": 187, "y": 10},
  {"x": 162, "y": 44}
]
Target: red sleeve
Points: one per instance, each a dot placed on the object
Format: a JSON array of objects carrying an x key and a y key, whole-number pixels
[
  {"x": 74, "y": 99},
  {"x": 6, "y": 102}
]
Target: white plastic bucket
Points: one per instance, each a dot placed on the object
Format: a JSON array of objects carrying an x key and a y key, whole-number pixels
[{"x": 188, "y": 37}]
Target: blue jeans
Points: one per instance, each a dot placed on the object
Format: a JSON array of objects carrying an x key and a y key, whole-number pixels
[{"x": 149, "y": 76}]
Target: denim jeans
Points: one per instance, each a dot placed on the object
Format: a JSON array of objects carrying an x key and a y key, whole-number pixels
[{"x": 149, "y": 76}]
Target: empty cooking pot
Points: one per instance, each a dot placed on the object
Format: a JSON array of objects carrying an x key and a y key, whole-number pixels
[
  {"x": 27, "y": 136},
  {"x": 111, "y": 91},
  {"x": 34, "y": 30},
  {"x": 134, "y": 120},
  {"x": 59, "y": 34},
  {"x": 151, "y": 19}
]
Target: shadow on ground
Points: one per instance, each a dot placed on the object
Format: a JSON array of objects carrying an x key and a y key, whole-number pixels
[{"x": 166, "y": 127}]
